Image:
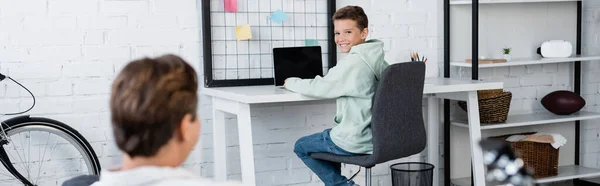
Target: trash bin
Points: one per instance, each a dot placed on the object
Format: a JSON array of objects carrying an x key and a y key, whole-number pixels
[{"x": 412, "y": 174}]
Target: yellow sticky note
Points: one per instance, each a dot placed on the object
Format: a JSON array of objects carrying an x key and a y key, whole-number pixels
[{"x": 243, "y": 32}]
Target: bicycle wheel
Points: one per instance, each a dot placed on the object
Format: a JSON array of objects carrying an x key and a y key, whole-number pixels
[{"x": 42, "y": 151}]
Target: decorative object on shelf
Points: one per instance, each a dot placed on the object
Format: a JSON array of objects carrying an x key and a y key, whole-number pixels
[
  {"x": 506, "y": 53},
  {"x": 493, "y": 105},
  {"x": 487, "y": 61},
  {"x": 563, "y": 102},
  {"x": 555, "y": 48},
  {"x": 537, "y": 151}
]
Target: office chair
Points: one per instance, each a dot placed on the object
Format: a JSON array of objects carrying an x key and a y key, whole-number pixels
[{"x": 397, "y": 126}]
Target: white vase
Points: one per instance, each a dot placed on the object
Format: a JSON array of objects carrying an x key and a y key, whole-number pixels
[{"x": 507, "y": 57}]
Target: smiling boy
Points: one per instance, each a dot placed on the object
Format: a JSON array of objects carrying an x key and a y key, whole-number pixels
[{"x": 352, "y": 83}]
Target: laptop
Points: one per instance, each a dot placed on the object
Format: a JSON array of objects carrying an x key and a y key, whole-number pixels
[{"x": 302, "y": 62}]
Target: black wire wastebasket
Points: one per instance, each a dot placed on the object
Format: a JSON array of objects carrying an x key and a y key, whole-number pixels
[{"x": 412, "y": 174}]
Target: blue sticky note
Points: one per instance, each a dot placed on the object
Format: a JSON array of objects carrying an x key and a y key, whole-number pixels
[
  {"x": 311, "y": 42},
  {"x": 278, "y": 16}
]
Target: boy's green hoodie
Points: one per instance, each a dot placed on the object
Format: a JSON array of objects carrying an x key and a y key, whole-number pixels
[{"x": 352, "y": 82}]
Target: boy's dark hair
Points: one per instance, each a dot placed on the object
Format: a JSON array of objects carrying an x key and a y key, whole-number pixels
[
  {"x": 355, "y": 13},
  {"x": 149, "y": 99}
]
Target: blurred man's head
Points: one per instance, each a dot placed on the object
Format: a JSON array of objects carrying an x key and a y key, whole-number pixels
[{"x": 153, "y": 108}]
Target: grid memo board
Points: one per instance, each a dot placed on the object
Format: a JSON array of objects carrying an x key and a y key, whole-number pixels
[{"x": 231, "y": 61}]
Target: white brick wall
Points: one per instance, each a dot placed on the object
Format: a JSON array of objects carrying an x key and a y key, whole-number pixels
[
  {"x": 591, "y": 45},
  {"x": 68, "y": 52}
]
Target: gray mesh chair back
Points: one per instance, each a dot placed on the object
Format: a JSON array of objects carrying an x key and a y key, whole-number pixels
[{"x": 397, "y": 124}]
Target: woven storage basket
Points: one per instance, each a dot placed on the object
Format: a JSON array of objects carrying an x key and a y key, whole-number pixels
[
  {"x": 493, "y": 105},
  {"x": 541, "y": 158}
]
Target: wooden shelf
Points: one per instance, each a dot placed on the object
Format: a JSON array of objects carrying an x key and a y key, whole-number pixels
[
  {"x": 567, "y": 172},
  {"x": 529, "y": 61},
  {"x": 531, "y": 119},
  {"x": 468, "y": 2}
]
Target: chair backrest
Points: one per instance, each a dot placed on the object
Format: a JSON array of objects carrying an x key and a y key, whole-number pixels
[{"x": 397, "y": 125}]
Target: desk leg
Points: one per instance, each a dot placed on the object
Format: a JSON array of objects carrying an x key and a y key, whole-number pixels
[
  {"x": 219, "y": 146},
  {"x": 433, "y": 141},
  {"x": 475, "y": 135},
  {"x": 246, "y": 144}
]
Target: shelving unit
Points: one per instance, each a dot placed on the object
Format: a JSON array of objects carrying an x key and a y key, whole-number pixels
[
  {"x": 568, "y": 172},
  {"x": 528, "y": 61},
  {"x": 468, "y": 2},
  {"x": 532, "y": 119}
]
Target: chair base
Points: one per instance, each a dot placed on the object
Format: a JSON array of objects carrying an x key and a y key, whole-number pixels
[{"x": 367, "y": 176}]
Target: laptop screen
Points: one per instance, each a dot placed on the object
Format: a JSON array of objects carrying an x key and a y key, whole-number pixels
[{"x": 302, "y": 62}]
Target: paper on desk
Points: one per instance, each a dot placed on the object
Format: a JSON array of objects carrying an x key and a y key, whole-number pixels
[
  {"x": 243, "y": 32},
  {"x": 311, "y": 42},
  {"x": 278, "y": 16},
  {"x": 230, "y": 5}
]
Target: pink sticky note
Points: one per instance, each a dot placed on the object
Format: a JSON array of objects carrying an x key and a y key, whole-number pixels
[{"x": 230, "y": 5}]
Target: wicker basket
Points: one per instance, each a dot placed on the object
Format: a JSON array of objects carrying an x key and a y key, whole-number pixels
[
  {"x": 493, "y": 105},
  {"x": 541, "y": 158}
]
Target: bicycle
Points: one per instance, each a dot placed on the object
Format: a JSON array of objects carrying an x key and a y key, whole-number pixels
[{"x": 18, "y": 130}]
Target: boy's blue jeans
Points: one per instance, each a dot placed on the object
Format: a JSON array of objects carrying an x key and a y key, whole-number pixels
[{"x": 328, "y": 172}]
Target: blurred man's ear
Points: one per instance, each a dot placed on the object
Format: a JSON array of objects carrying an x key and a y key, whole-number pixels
[{"x": 185, "y": 126}]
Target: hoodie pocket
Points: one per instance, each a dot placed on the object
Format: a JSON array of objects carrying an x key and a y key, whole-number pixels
[{"x": 341, "y": 107}]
